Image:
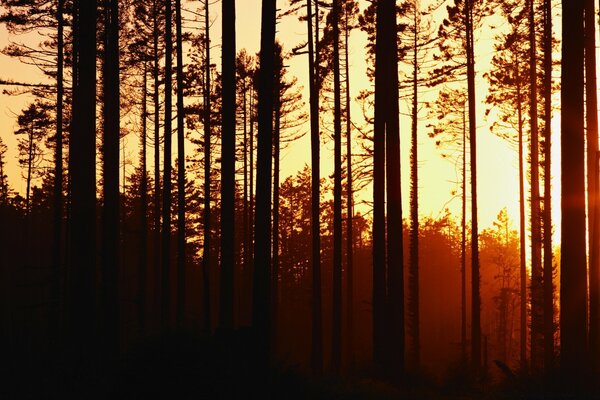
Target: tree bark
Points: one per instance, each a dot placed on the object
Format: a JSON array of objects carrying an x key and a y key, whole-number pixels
[
  {"x": 262, "y": 248},
  {"x": 316, "y": 312},
  {"x": 207, "y": 157},
  {"x": 573, "y": 285},
  {"x": 81, "y": 314},
  {"x": 143, "y": 263},
  {"x": 547, "y": 215},
  {"x": 475, "y": 295},
  {"x": 591, "y": 103},
  {"x": 414, "y": 208},
  {"x": 181, "y": 239},
  {"x": 336, "y": 348},
  {"x": 110, "y": 210},
  {"x": 228, "y": 166},
  {"x": 166, "y": 208},
  {"x": 379, "y": 242}
]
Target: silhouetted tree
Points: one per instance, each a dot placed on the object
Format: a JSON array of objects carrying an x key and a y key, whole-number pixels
[
  {"x": 228, "y": 166},
  {"x": 591, "y": 124},
  {"x": 262, "y": 247},
  {"x": 181, "y": 172},
  {"x": 110, "y": 209},
  {"x": 82, "y": 173},
  {"x": 573, "y": 278},
  {"x": 166, "y": 204}
]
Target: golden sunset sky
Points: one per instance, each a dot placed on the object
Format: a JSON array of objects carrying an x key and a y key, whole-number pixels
[{"x": 497, "y": 159}]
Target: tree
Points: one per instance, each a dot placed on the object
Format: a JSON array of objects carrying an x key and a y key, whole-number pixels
[
  {"x": 82, "y": 173},
  {"x": 536, "y": 235},
  {"x": 110, "y": 209},
  {"x": 228, "y": 166},
  {"x": 315, "y": 142},
  {"x": 547, "y": 211},
  {"x": 262, "y": 247},
  {"x": 181, "y": 231},
  {"x": 573, "y": 287},
  {"x": 387, "y": 126},
  {"x": 206, "y": 256},
  {"x": 475, "y": 296},
  {"x": 33, "y": 124},
  {"x": 591, "y": 123},
  {"x": 166, "y": 205},
  {"x": 336, "y": 344}
]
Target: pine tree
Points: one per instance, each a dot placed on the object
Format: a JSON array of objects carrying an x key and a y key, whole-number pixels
[
  {"x": 228, "y": 166},
  {"x": 110, "y": 209},
  {"x": 573, "y": 280}
]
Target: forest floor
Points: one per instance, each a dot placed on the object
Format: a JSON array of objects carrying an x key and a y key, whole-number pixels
[{"x": 223, "y": 368}]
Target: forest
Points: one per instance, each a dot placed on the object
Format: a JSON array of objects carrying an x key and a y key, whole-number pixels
[{"x": 188, "y": 217}]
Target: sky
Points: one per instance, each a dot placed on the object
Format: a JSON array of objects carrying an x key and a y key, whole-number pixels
[{"x": 497, "y": 160}]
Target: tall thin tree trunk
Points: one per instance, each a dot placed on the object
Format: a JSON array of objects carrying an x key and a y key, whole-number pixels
[
  {"x": 110, "y": 210},
  {"x": 246, "y": 229},
  {"x": 336, "y": 344},
  {"x": 414, "y": 208},
  {"x": 573, "y": 277},
  {"x": 395, "y": 259},
  {"x": 379, "y": 242},
  {"x": 166, "y": 209},
  {"x": 181, "y": 239},
  {"x": 463, "y": 246},
  {"x": 316, "y": 314},
  {"x": 262, "y": 254},
  {"x": 207, "y": 157},
  {"x": 157, "y": 183},
  {"x": 547, "y": 215},
  {"x": 143, "y": 264},
  {"x": 475, "y": 295},
  {"x": 81, "y": 315},
  {"x": 536, "y": 239},
  {"x": 228, "y": 166},
  {"x": 58, "y": 177},
  {"x": 591, "y": 113},
  {"x": 522, "y": 231},
  {"x": 349, "y": 207}
]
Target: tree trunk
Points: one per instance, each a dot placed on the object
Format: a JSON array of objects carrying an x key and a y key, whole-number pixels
[
  {"x": 181, "y": 240},
  {"x": 110, "y": 209},
  {"x": 317, "y": 335},
  {"x": 336, "y": 348},
  {"x": 349, "y": 209},
  {"x": 157, "y": 184},
  {"x": 58, "y": 177},
  {"x": 475, "y": 296},
  {"x": 207, "y": 157},
  {"x": 228, "y": 166},
  {"x": 463, "y": 247},
  {"x": 522, "y": 231},
  {"x": 143, "y": 264},
  {"x": 81, "y": 315},
  {"x": 591, "y": 114},
  {"x": 395, "y": 313},
  {"x": 166, "y": 209},
  {"x": 379, "y": 243},
  {"x": 547, "y": 215},
  {"x": 262, "y": 253},
  {"x": 414, "y": 210},
  {"x": 573, "y": 287},
  {"x": 536, "y": 239}
]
